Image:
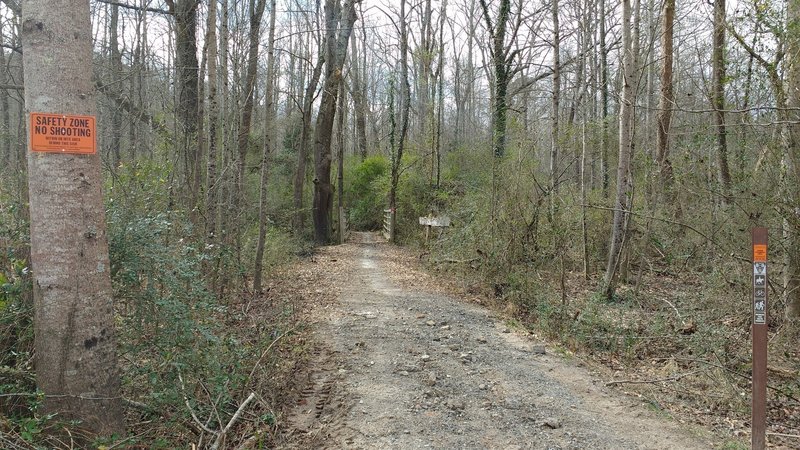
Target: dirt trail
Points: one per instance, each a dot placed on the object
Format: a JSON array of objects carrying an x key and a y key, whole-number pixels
[{"x": 402, "y": 367}]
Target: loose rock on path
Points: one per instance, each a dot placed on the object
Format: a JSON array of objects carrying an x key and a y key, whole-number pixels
[{"x": 400, "y": 366}]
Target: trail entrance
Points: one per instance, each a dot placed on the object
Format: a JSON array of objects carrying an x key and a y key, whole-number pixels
[{"x": 401, "y": 364}]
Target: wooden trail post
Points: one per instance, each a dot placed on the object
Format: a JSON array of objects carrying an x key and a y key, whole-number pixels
[{"x": 759, "y": 411}]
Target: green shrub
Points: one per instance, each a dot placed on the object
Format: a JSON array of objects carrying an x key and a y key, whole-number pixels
[{"x": 365, "y": 194}]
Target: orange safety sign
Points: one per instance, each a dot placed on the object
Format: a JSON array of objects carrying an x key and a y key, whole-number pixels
[
  {"x": 60, "y": 133},
  {"x": 760, "y": 253}
]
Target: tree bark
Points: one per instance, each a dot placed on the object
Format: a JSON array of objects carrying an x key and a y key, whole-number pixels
[
  {"x": 339, "y": 21},
  {"x": 501, "y": 61},
  {"x": 666, "y": 100},
  {"x": 340, "y": 144},
  {"x": 116, "y": 81},
  {"x": 76, "y": 362},
  {"x": 302, "y": 151},
  {"x": 555, "y": 101},
  {"x": 6, "y": 153},
  {"x": 213, "y": 118},
  {"x": 269, "y": 144},
  {"x": 185, "y": 14},
  {"x": 623, "y": 203},
  {"x": 440, "y": 112},
  {"x": 793, "y": 158},
  {"x": 405, "y": 106},
  {"x": 256, "y": 12},
  {"x": 359, "y": 105},
  {"x": 604, "y": 176},
  {"x": 718, "y": 99}
]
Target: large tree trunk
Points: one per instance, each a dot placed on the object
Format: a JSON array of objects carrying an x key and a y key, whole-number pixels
[
  {"x": 718, "y": 99},
  {"x": 666, "y": 99},
  {"x": 622, "y": 204},
  {"x": 76, "y": 362},
  {"x": 187, "y": 69},
  {"x": 339, "y": 22}
]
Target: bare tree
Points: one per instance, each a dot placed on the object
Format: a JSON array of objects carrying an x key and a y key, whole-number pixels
[
  {"x": 358, "y": 94},
  {"x": 269, "y": 145},
  {"x": 503, "y": 57},
  {"x": 718, "y": 98},
  {"x": 555, "y": 98},
  {"x": 187, "y": 72},
  {"x": 604, "y": 176},
  {"x": 623, "y": 201},
  {"x": 667, "y": 97},
  {"x": 305, "y": 136},
  {"x": 792, "y": 139},
  {"x": 405, "y": 107},
  {"x": 76, "y": 362},
  {"x": 255, "y": 12},
  {"x": 213, "y": 119}
]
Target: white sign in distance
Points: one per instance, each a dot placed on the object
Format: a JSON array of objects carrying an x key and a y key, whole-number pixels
[{"x": 442, "y": 221}]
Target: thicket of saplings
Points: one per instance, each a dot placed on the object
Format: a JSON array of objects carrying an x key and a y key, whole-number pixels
[{"x": 192, "y": 338}]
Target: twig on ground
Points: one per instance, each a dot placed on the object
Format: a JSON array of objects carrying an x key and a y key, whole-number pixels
[
  {"x": 139, "y": 405},
  {"x": 189, "y": 406},
  {"x": 263, "y": 354},
  {"x": 796, "y": 436},
  {"x": 746, "y": 377},
  {"x": 661, "y": 380},
  {"x": 456, "y": 261},
  {"x": 234, "y": 419},
  {"x": 677, "y": 313}
]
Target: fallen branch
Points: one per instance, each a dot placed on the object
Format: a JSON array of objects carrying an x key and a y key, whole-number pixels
[
  {"x": 189, "y": 406},
  {"x": 263, "y": 354},
  {"x": 234, "y": 419},
  {"x": 677, "y": 313},
  {"x": 140, "y": 406},
  {"x": 796, "y": 436},
  {"x": 661, "y": 380},
  {"x": 456, "y": 261},
  {"x": 739, "y": 374}
]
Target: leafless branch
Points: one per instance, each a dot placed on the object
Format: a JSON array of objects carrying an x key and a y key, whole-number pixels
[{"x": 133, "y": 7}]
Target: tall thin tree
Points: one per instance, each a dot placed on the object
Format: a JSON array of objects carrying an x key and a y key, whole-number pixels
[
  {"x": 623, "y": 201},
  {"x": 269, "y": 145},
  {"x": 718, "y": 98},
  {"x": 666, "y": 99}
]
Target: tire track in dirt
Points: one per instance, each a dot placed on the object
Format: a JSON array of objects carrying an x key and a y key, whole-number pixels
[{"x": 404, "y": 368}]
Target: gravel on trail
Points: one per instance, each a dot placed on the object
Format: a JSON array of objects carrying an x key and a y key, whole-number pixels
[{"x": 401, "y": 366}]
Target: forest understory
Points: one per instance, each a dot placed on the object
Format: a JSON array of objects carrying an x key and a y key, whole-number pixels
[{"x": 600, "y": 165}]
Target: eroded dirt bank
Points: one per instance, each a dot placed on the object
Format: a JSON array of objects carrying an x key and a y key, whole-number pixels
[{"x": 398, "y": 365}]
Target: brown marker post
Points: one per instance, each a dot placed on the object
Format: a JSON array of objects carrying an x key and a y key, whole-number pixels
[{"x": 759, "y": 417}]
